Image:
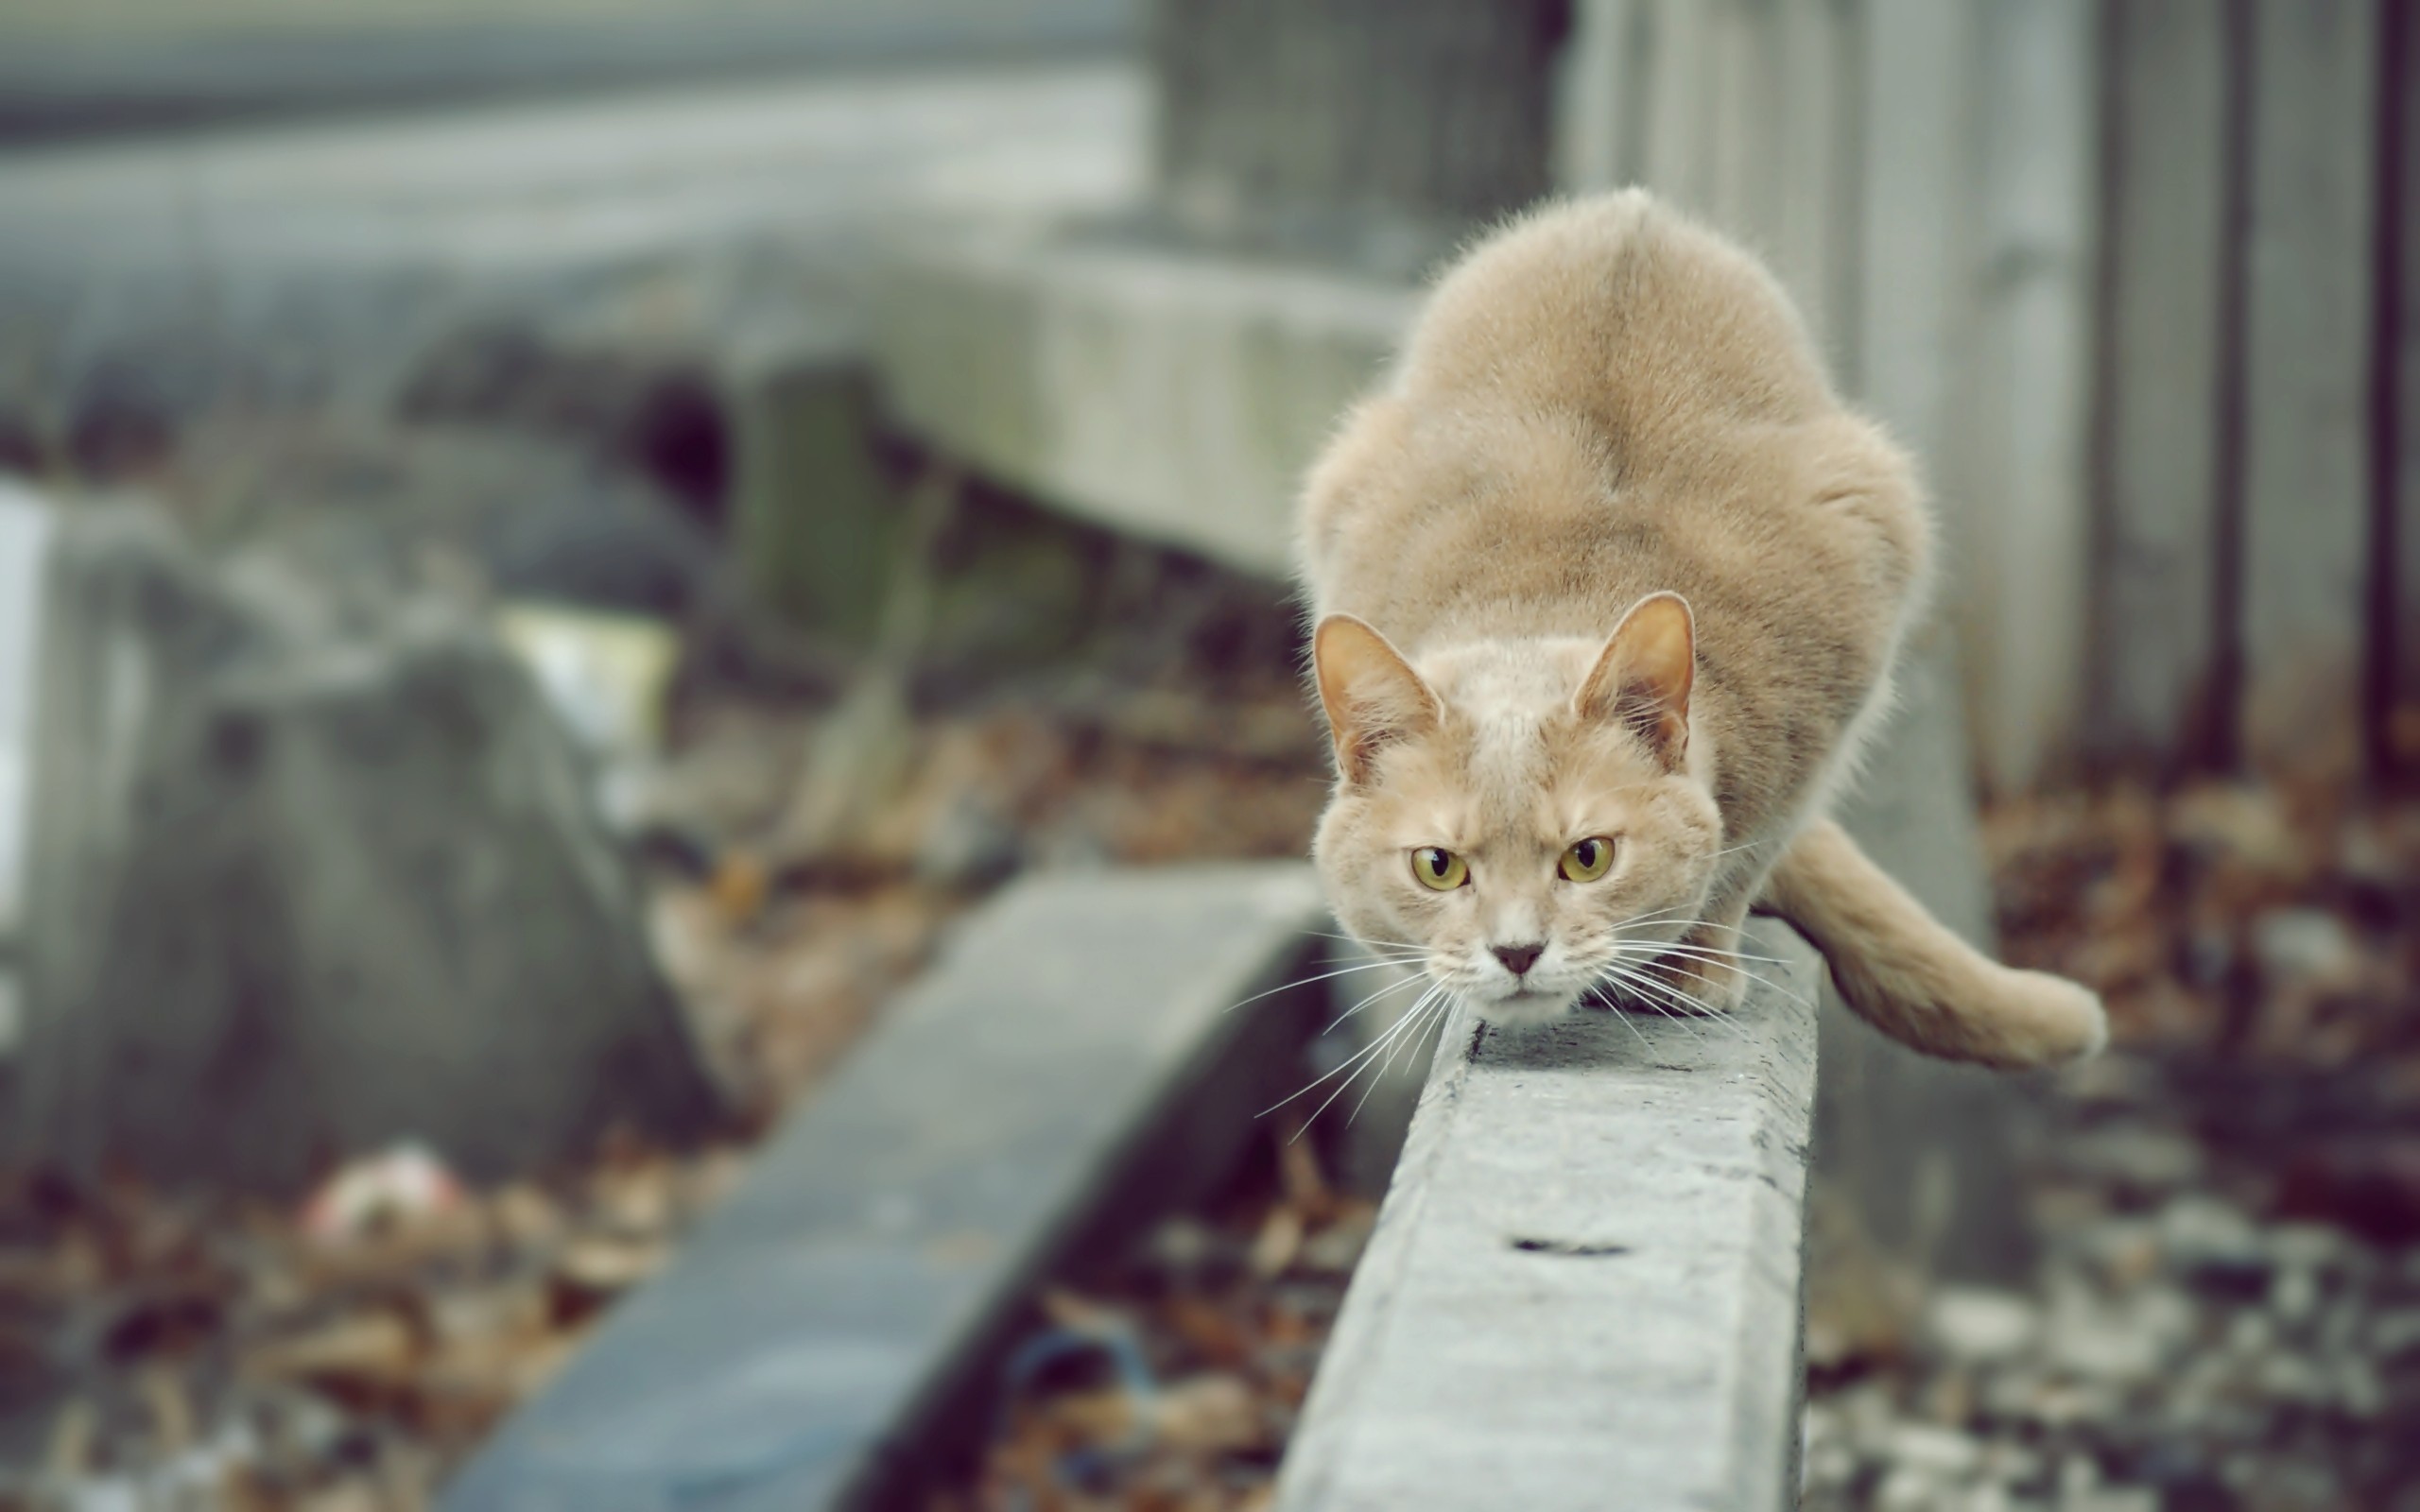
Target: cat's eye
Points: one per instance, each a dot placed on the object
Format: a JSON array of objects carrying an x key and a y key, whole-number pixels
[
  {"x": 1439, "y": 868},
  {"x": 1587, "y": 860}
]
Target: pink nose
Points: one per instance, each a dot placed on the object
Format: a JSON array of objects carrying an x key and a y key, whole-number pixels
[{"x": 1519, "y": 959}]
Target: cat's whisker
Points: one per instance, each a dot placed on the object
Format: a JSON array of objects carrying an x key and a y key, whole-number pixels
[
  {"x": 1683, "y": 1002},
  {"x": 1684, "y": 952},
  {"x": 1635, "y": 1033},
  {"x": 1358, "y": 1055},
  {"x": 1735, "y": 849},
  {"x": 1673, "y": 1003},
  {"x": 1671, "y": 961},
  {"x": 1307, "y": 981},
  {"x": 1355, "y": 940},
  {"x": 1653, "y": 916},
  {"x": 1392, "y": 987},
  {"x": 1702, "y": 1010},
  {"x": 1643, "y": 950},
  {"x": 1645, "y": 989},
  {"x": 1436, "y": 1014},
  {"x": 1400, "y": 1028},
  {"x": 1714, "y": 949},
  {"x": 1722, "y": 952}
]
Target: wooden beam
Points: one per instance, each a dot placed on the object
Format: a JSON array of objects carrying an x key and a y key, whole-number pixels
[
  {"x": 2155, "y": 650},
  {"x": 2395, "y": 613},
  {"x": 2022, "y": 463},
  {"x": 2307, "y": 318}
]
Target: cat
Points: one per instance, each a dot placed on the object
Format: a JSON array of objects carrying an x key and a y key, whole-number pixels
[{"x": 1606, "y": 585}]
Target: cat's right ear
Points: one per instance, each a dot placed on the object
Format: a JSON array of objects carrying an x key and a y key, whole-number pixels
[
  {"x": 1642, "y": 678},
  {"x": 1372, "y": 695}
]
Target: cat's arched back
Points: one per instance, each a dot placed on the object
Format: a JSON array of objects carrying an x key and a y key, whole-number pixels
[{"x": 1607, "y": 559}]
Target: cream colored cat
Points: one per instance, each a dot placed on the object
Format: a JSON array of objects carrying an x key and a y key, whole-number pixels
[{"x": 1608, "y": 585}]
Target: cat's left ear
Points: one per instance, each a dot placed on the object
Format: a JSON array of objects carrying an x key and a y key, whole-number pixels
[
  {"x": 1643, "y": 676},
  {"x": 1371, "y": 694}
]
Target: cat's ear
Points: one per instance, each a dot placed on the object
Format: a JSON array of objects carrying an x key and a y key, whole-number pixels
[
  {"x": 1371, "y": 693},
  {"x": 1643, "y": 676}
]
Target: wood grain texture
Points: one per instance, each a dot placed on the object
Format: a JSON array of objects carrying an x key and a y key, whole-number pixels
[
  {"x": 2022, "y": 461},
  {"x": 1815, "y": 200},
  {"x": 1895, "y": 1123},
  {"x": 2308, "y": 319},
  {"x": 1916, "y": 150},
  {"x": 1676, "y": 155},
  {"x": 1593, "y": 97},
  {"x": 2155, "y": 648},
  {"x": 2397, "y": 617}
]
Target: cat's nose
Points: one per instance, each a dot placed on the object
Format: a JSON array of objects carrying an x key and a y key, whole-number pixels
[{"x": 1519, "y": 959}]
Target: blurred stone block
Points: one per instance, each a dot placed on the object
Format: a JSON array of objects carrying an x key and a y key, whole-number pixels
[
  {"x": 1083, "y": 1061},
  {"x": 816, "y": 525},
  {"x": 1177, "y": 398},
  {"x": 301, "y": 881}
]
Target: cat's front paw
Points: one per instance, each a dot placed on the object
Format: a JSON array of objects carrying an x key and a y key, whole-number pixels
[
  {"x": 1713, "y": 985},
  {"x": 1704, "y": 968}
]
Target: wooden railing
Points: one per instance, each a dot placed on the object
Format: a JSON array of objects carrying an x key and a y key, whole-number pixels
[{"x": 2136, "y": 281}]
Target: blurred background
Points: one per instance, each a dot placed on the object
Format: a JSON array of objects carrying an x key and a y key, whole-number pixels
[{"x": 551, "y": 549}]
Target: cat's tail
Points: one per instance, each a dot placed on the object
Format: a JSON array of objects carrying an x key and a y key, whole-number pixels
[{"x": 1910, "y": 977}]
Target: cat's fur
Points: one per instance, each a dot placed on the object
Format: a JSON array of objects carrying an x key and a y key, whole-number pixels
[{"x": 1609, "y": 556}]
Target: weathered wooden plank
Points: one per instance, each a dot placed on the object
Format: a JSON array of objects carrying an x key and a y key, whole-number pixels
[
  {"x": 838, "y": 1307},
  {"x": 1918, "y": 1153},
  {"x": 1815, "y": 198},
  {"x": 1596, "y": 98},
  {"x": 1676, "y": 157},
  {"x": 1738, "y": 110},
  {"x": 1583, "y": 1289},
  {"x": 2399, "y": 605},
  {"x": 2024, "y": 462},
  {"x": 2309, "y": 286},
  {"x": 1746, "y": 99},
  {"x": 2155, "y": 620},
  {"x": 1892, "y": 1119},
  {"x": 1333, "y": 117},
  {"x": 1915, "y": 171}
]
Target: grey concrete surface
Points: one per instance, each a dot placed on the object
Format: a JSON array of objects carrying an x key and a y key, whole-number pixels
[
  {"x": 1177, "y": 398},
  {"x": 1583, "y": 1289},
  {"x": 1071, "y": 1069}
]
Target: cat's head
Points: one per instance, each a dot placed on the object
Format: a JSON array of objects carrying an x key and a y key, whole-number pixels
[{"x": 1522, "y": 814}]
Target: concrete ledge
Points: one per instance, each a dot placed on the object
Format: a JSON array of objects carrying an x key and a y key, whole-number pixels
[
  {"x": 1583, "y": 1291},
  {"x": 1071, "y": 1070},
  {"x": 1176, "y": 398}
]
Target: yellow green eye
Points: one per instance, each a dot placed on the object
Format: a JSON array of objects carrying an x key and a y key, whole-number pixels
[
  {"x": 1439, "y": 868},
  {"x": 1587, "y": 859}
]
